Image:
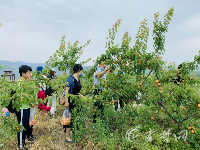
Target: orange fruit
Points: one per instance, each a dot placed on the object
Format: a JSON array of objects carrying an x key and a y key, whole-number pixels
[
  {"x": 142, "y": 77},
  {"x": 193, "y": 128},
  {"x": 95, "y": 110},
  {"x": 16, "y": 127},
  {"x": 156, "y": 81},
  {"x": 121, "y": 75},
  {"x": 114, "y": 62},
  {"x": 197, "y": 122},
  {"x": 198, "y": 105},
  {"x": 189, "y": 128},
  {"x": 192, "y": 131},
  {"x": 160, "y": 110},
  {"x": 126, "y": 65},
  {"x": 122, "y": 117},
  {"x": 119, "y": 58},
  {"x": 138, "y": 86},
  {"x": 148, "y": 67},
  {"x": 140, "y": 83},
  {"x": 131, "y": 84},
  {"x": 152, "y": 118},
  {"x": 155, "y": 85},
  {"x": 191, "y": 78}
]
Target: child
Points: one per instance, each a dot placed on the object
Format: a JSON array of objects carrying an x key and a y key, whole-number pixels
[{"x": 41, "y": 95}]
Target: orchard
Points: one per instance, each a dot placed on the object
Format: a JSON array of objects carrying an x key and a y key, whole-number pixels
[{"x": 165, "y": 116}]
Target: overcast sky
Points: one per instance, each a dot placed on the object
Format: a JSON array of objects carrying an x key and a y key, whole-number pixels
[{"x": 32, "y": 29}]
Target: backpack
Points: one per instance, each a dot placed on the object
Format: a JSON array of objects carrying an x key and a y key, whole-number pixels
[
  {"x": 10, "y": 105},
  {"x": 49, "y": 91}
]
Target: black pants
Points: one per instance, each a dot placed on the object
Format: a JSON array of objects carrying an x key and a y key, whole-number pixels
[
  {"x": 121, "y": 104},
  {"x": 25, "y": 122},
  {"x": 97, "y": 105},
  {"x": 71, "y": 108}
]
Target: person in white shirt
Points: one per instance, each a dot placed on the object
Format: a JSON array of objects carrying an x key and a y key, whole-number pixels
[{"x": 99, "y": 75}]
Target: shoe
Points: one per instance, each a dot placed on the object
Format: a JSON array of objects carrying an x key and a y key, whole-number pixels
[
  {"x": 24, "y": 147},
  {"x": 31, "y": 139},
  {"x": 68, "y": 141}
]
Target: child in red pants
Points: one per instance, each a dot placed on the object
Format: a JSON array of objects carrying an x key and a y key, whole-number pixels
[
  {"x": 44, "y": 107},
  {"x": 41, "y": 95}
]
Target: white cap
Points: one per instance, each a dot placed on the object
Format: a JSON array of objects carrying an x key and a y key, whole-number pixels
[
  {"x": 53, "y": 69},
  {"x": 27, "y": 64}
]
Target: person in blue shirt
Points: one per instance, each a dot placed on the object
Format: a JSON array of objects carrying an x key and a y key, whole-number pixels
[{"x": 73, "y": 87}]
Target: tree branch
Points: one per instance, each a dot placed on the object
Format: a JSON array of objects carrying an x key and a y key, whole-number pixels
[{"x": 162, "y": 104}]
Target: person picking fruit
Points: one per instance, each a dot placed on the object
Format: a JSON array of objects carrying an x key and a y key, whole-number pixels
[
  {"x": 99, "y": 75},
  {"x": 73, "y": 87}
]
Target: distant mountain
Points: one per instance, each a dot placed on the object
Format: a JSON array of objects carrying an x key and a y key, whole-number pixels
[{"x": 14, "y": 66}]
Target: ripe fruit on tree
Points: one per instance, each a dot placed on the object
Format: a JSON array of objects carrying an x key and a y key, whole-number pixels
[
  {"x": 198, "y": 105},
  {"x": 156, "y": 81},
  {"x": 142, "y": 77},
  {"x": 119, "y": 58},
  {"x": 95, "y": 110},
  {"x": 189, "y": 128},
  {"x": 138, "y": 86},
  {"x": 191, "y": 78},
  {"x": 122, "y": 117},
  {"x": 16, "y": 127},
  {"x": 192, "y": 131},
  {"x": 152, "y": 118}
]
